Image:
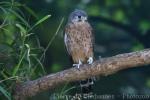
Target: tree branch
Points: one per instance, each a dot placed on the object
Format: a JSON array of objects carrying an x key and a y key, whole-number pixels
[
  {"x": 126, "y": 27},
  {"x": 102, "y": 67}
]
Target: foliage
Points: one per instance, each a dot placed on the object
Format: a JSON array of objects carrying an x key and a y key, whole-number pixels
[{"x": 20, "y": 54}]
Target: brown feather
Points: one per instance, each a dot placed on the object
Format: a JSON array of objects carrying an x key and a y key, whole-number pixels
[{"x": 79, "y": 41}]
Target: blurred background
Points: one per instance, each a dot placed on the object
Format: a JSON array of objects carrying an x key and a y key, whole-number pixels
[{"x": 31, "y": 42}]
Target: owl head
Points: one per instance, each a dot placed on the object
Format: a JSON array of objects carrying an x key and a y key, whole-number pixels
[{"x": 78, "y": 16}]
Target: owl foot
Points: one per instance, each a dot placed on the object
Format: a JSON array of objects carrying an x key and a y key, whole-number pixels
[
  {"x": 100, "y": 58},
  {"x": 93, "y": 78},
  {"x": 78, "y": 65},
  {"x": 90, "y": 60}
]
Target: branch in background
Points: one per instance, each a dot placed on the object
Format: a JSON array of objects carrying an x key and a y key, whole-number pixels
[
  {"x": 146, "y": 38},
  {"x": 127, "y": 28},
  {"x": 102, "y": 67}
]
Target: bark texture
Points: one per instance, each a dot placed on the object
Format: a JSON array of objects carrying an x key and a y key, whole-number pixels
[{"x": 101, "y": 67}]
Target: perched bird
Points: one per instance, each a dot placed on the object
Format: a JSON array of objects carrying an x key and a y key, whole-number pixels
[{"x": 78, "y": 38}]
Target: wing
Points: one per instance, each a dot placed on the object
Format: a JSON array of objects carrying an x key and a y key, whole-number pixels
[
  {"x": 91, "y": 36},
  {"x": 66, "y": 41}
]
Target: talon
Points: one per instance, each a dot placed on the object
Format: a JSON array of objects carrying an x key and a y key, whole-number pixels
[
  {"x": 78, "y": 65},
  {"x": 100, "y": 58},
  {"x": 90, "y": 60},
  {"x": 94, "y": 78}
]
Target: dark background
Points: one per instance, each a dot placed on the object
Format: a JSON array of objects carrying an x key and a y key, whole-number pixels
[{"x": 120, "y": 26}]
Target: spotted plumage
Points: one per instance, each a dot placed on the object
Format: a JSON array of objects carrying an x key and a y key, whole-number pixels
[{"x": 78, "y": 39}]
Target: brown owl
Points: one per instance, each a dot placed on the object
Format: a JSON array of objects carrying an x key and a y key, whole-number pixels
[{"x": 78, "y": 40}]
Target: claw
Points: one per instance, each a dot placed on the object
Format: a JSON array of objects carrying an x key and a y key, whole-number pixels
[
  {"x": 100, "y": 58},
  {"x": 94, "y": 78},
  {"x": 78, "y": 65},
  {"x": 90, "y": 60}
]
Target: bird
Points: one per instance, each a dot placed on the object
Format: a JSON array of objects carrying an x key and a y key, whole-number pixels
[{"x": 79, "y": 42}]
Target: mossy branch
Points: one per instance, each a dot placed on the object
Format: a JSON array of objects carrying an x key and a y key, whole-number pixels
[{"x": 101, "y": 67}]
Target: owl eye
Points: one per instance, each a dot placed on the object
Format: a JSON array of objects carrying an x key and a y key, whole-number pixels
[{"x": 79, "y": 16}]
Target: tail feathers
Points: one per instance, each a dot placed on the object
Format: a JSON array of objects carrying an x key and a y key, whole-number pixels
[{"x": 86, "y": 85}]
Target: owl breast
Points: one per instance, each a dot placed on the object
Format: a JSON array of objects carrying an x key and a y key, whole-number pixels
[{"x": 78, "y": 40}]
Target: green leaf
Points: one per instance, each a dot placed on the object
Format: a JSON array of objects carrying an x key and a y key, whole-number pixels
[
  {"x": 144, "y": 25},
  {"x": 55, "y": 67},
  {"x": 4, "y": 3},
  {"x": 30, "y": 11},
  {"x": 119, "y": 15},
  {"x": 94, "y": 10},
  {"x": 137, "y": 46},
  {"x": 148, "y": 82},
  {"x": 16, "y": 68},
  {"x": 6, "y": 94},
  {"x": 54, "y": 36},
  {"x": 20, "y": 17},
  {"x": 22, "y": 29},
  {"x": 40, "y": 21}
]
